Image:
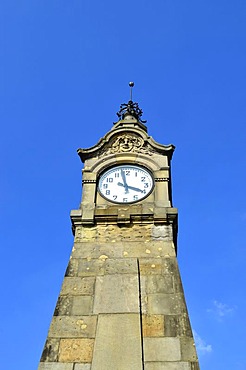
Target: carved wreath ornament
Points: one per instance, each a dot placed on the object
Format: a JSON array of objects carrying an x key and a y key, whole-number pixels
[{"x": 127, "y": 143}]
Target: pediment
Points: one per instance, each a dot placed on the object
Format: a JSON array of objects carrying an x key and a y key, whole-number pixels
[{"x": 126, "y": 140}]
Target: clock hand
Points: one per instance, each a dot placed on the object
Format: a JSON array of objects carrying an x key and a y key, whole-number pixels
[
  {"x": 123, "y": 175},
  {"x": 136, "y": 189},
  {"x": 130, "y": 187}
]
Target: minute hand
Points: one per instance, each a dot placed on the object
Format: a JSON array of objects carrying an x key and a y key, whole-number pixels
[{"x": 123, "y": 175}]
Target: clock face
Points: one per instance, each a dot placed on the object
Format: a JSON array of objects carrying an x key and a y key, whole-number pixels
[{"x": 125, "y": 184}]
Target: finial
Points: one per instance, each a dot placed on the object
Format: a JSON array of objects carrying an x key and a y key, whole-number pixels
[
  {"x": 130, "y": 109},
  {"x": 131, "y": 84}
]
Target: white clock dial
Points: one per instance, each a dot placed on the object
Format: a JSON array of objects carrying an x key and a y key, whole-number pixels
[{"x": 125, "y": 184}]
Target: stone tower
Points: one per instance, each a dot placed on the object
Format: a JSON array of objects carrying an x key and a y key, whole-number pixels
[{"x": 122, "y": 305}]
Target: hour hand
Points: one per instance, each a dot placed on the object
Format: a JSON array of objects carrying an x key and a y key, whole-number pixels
[
  {"x": 124, "y": 186},
  {"x": 130, "y": 187},
  {"x": 135, "y": 189}
]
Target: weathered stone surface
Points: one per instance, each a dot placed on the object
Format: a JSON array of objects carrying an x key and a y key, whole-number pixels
[
  {"x": 107, "y": 233},
  {"x": 95, "y": 250},
  {"x": 76, "y": 350},
  {"x": 120, "y": 249},
  {"x": 166, "y": 304},
  {"x": 188, "y": 349},
  {"x": 116, "y": 293},
  {"x": 170, "y": 266},
  {"x": 92, "y": 267},
  {"x": 50, "y": 351},
  {"x": 63, "y": 306},
  {"x": 160, "y": 284},
  {"x": 118, "y": 343},
  {"x": 153, "y": 325},
  {"x": 78, "y": 286},
  {"x": 195, "y": 366},
  {"x": 133, "y": 232},
  {"x": 72, "y": 268},
  {"x": 54, "y": 366},
  {"x": 147, "y": 249},
  {"x": 162, "y": 232},
  {"x": 167, "y": 366},
  {"x": 73, "y": 326},
  {"x": 82, "y": 367},
  {"x": 82, "y": 305},
  {"x": 103, "y": 265},
  {"x": 150, "y": 266},
  {"x": 177, "y": 326},
  {"x": 121, "y": 266},
  {"x": 143, "y": 295},
  {"x": 178, "y": 286},
  {"x": 161, "y": 349}
]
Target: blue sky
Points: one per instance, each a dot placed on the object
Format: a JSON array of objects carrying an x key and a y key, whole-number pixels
[{"x": 64, "y": 71}]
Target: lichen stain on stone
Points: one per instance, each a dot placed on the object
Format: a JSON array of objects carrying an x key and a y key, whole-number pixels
[
  {"x": 81, "y": 324},
  {"x": 103, "y": 257}
]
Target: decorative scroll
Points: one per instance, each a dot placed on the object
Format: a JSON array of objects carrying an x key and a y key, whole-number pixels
[{"x": 127, "y": 143}]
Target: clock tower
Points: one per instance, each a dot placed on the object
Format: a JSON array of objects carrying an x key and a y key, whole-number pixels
[{"x": 122, "y": 305}]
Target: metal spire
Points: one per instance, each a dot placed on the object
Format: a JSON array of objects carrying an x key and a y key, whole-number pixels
[{"x": 130, "y": 109}]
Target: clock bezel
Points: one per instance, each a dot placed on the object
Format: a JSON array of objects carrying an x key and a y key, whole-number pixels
[{"x": 124, "y": 165}]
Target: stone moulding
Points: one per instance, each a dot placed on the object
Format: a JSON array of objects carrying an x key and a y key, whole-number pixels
[{"x": 125, "y": 140}]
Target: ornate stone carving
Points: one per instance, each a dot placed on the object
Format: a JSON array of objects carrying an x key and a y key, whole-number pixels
[{"x": 127, "y": 143}]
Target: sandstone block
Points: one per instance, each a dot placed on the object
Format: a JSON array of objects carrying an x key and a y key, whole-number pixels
[
  {"x": 76, "y": 350},
  {"x": 162, "y": 349},
  {"x": 160, "y": 284},
  {"x": 167, "y": 304},
  {"x": 121, "y": 266},
  {"x": 153, "y": 325},
  {"x": 150, "y": 266},
  {"x": 95, "y": 250},
  {"x": 107, "y": 233},
  {"x": 118, "y": 343},
  {"x": 162, "y": 232},
  {"x": 54, "y": 366},
  {"x": 177, "y": 326},
  {"x": 92, "y": 267},
  {"x": 119, "y": 249},
  {"x": 116, "y": 293},
  {"x": 73, "y": 326},
  {"x": 195, "y": 366},
  {"x": 50, "y": 351},
  {"x": 82, "y": 305},
  {"x": 63, "y": 306},
  {"x": 72, "y": 268},
  {"x": 170, "y": 266},
  {"x": 188, "y": 349},
  {"x": 147, "y": 249},
  {"x": 82, "y": 367},
  {"x": 78, "y": 286},
  {"x": 167, "y": 366}
]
